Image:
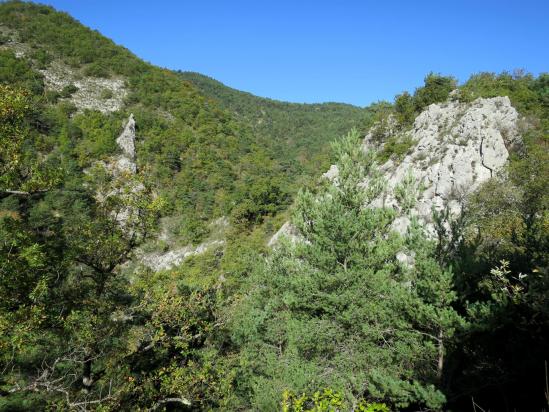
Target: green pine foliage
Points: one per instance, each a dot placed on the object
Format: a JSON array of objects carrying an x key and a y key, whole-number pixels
[
  {"x": 298, "y": 134},
  {"x": 338, "y": 310},
  {"x": 351, "y": 317}
]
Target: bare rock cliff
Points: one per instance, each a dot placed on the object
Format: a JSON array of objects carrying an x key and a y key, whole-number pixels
[
  {"x": 455, "y": 148},
  {"x": 122, "y": 169}
]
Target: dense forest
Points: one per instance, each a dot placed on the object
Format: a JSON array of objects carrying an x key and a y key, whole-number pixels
[
  {"x": 298, "y": 133},
  {"x": 334, "y": 321}
]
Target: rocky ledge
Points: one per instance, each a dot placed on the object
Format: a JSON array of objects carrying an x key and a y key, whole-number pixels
[{"x": 455, "y": 148}]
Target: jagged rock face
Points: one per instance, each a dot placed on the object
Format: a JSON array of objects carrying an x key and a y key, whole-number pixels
[
  {"x": 122, "y": 168},
  {"x": 126, "y": 140},
  {"x": 288, "y": 231},
  {"x": 458, "y": 146},
  {"x": 125, "y": 163},
  {"x": 161, "y": 261}
]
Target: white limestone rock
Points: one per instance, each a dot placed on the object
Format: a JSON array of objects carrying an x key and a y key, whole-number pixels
[
  {"x": 458, "y": 147},
  {"x": 121, "y": 168},
  {"x": 126, "y": 140},
  {"x": 95, "y": 93},
  {"x": 288, "y": 231},
  {"x": 332, "y": 173},
  {"x": 162, "y": 261},
  {"x": 406, "y": 260},
  {"x": 173, "y": 253}
]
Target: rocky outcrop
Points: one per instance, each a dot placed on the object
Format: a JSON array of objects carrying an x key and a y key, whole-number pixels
[
  {"x": 158, "y": 261},
  {"x": 126, "y": 140},
  {"x": 125, "y": 163},
  {"x": 95, "y": 93},
  {"x": 122, "y": 168},
  {"x": 455, "y": 148},
  {"x": 288, "y": 231},
  {"x": 173, "y": 254},
  {"x": 12, "y": 42}
]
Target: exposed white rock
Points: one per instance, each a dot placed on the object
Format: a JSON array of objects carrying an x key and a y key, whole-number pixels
[
  {"x": 13, "y": 42},
  {"x": 120, "y": 168},
  {"x": 124, "y": 163},
  {"x": 105, "y": 95},
  {"x": 406, "y": 260},
  {"x": 220, "y": 223},
  {"x": 288, "y": 231},
  {"x": 95, "y": 93},
  {"x": 126, "y": 140},
  {"x": 458, "y": 147},
  {"x": 332, "y": 173},
  {"x": 174, "y": 254},
  {"x": 161, "y": 261}
]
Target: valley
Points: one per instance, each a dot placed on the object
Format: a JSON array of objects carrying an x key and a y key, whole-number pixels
[{"x": 170, "y": 243}]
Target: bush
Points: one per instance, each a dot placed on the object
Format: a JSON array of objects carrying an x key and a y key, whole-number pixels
[
  {"x": 51, "y": 96},
  {"x": 520, "y": 87},
  {"x": 97, "y": 69},
  {"x": 327, "y": 400},
  {"x": 436, "y": 89},
  {"x": 106, "y": 94},
  {"x": 18, "y": 72},
  {"x": 99, "y": 135},
  {"x": 396, "y": 148},
  {"x": 42, "y": 58},
  {"x": 405, "y": 108},
  {"x": 69, "y": 90}
]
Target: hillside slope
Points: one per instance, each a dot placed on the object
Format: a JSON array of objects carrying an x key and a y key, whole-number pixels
[
  {"x": 134, "y": 208},
  {"x": 215, "y": 148},
  {"x": 300, "y": 133},
  {"x": 206, "y": 162}
]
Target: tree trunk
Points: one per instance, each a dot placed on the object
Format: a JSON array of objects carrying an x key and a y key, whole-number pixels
[
  {"x": 87, "y": 379},
  {"x": 440, "y": 363}
]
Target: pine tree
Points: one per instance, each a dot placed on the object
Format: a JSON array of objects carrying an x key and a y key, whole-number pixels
[{"x": 338, "y": 309}]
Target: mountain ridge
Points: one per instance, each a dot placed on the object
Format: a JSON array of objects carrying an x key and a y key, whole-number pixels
[
  {"x": 200, "y": 77},
  {"x": 135, "y": 209}
]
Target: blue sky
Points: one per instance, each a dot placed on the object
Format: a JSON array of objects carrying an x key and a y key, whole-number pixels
[{"x": 315, "y": 51}]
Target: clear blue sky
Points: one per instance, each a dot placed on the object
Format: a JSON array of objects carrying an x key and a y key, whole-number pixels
[{"x": 313, "y": 51}]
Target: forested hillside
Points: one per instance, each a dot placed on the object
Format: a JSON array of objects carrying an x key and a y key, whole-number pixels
[
  {"x": 298, "y": 133},
  {"x": 348, "y": 311},
  {"x": 226, "y": 161}
]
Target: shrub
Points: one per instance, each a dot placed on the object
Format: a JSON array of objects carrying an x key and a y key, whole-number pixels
[
  {"x": 68, "y": 90},
  {"x": 327, "y": 400},
  {"x": 97, "y": 69},
  {"x": 106, "y": 94},
  {"x": 42, "y": 58},
  {"x": 405, "y": 108},
  {"x": 396, "y": 148},
  {"x": 18, "y": 72},
  {"x": 436, "y": 89}
]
